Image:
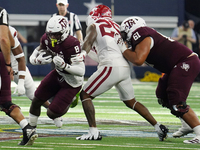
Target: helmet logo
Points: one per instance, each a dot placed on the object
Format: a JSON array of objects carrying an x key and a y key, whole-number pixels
[
  {"x": 108, "y": 13},
  {"x": 129, "y": 23},
  {"x": 101, "y": 11},
  {"x": 93, "y": 11},
  {"x": 63, "y": 23}
]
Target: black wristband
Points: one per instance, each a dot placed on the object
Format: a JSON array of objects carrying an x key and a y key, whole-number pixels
[{"x": 8, "y": 65}]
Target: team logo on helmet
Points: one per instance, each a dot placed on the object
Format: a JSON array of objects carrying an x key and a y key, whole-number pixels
[
  {"x": 101, "y": 11},
  {"x": 129, "y": 23},
  {"x": 63, "y": 23}
]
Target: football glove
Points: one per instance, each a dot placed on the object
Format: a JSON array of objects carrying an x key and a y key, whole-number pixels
[
  {"x": 79, "y": 57},
  {"x": 93, "y": 134},
  {"x": 162, "y": 132},
  {"x": 20, "y": 89},
  {"x": 37, "y": 58},
  {"x": 40, "y": 59},
  {"x": 59, "y": 62}
]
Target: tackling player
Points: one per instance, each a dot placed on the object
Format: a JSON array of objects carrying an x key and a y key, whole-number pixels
[
  {"x": 65, "y": 81},
  {"x": 113, "y": 70},
  {"x": 180, "y": 65}
]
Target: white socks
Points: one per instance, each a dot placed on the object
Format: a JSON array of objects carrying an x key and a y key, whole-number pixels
[
  {"x": 156, "y": 126},
  {"x": 197, "y": 130},
  {"x": 93, "y": 130},
  {"x": 23, "y": 123},
  {"x": 33, "y": 120}
]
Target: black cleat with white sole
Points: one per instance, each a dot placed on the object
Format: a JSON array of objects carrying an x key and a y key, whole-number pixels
[{"x": 29, "y": 135}]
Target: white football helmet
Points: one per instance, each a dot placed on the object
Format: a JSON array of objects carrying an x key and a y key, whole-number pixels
[
  {"x": 57, "y": 29},
  {"x": 129, "y": 25}
]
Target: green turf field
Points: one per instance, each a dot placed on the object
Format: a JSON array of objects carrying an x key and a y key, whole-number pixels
[{"x": 121, "y": 127}]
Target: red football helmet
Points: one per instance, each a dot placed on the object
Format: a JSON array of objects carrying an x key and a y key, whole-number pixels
[{"x": 101, "y": 11}]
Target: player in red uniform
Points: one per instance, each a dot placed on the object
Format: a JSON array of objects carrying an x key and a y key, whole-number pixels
[
  {"x": 113, "y": 70},
  {"x": 180, "y": 65},
  {"x": 65, "y": 81}
]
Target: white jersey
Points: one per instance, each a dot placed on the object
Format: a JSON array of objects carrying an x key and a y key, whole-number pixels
[
  {"x": 113, "y": 69},
  {"x": 29, "y": 84},
  {"x": 105, "y": 44},
  {"x": 14, "y": 62}
]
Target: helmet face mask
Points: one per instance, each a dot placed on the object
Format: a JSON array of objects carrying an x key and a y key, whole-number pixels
[
  {"x": 57, "y": 29},
  {"x": 124, "y": 35},
  {"x": 54, "y": 35},
  {"x": 131, "y": 24}
]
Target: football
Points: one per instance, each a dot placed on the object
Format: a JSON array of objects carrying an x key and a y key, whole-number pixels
[{"x": 47, "y": 53}]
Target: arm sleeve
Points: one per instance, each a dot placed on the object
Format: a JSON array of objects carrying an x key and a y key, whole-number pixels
[
  {"x": 76, "y": 68},
  {"x": 33, "y": 56}
]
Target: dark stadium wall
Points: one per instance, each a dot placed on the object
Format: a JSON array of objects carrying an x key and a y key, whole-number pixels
[
  {"x": 192, "y": 11},
  {"x": 125, "y": 7}
]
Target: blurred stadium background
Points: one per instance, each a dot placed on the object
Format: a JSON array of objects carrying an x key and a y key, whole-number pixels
[{"x": 30, "y": 17}]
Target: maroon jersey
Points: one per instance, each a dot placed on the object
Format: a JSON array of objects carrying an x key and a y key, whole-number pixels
[
  {"x": 66, "y": 49},
  {"x": 5, "y": 92},
  {"x": 165, "y": 53}
]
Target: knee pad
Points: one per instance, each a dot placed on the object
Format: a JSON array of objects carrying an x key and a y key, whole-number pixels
[
  {"x": 180, "y": 109},
  {"x": 8, "y": 107}
]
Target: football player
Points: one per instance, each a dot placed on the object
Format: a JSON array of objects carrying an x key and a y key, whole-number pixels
[
  {"x": 102, "y": 35},
  {"x": 22, "y": 76},
  {"x": 65, "y": 81},
  {"x": 12, "y": 110},
  {"x": 178, "y": 63}
]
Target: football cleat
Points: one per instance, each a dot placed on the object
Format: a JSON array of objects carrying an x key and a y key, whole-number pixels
[
  {"x": 181, "y": 132},
  {"x": 58, "y": 122},
  {"x": 195, "y": 140},
  {"x": 29, "y": 136},
  {"x": 162, "y": 132},
  {"x": 184, "y": 130}
]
